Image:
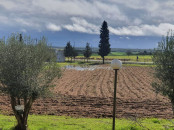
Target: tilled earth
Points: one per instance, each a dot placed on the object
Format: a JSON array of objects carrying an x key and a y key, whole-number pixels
[{"x": 89, "y": 93}]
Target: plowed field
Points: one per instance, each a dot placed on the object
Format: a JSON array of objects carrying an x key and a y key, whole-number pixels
[{"x": 89, "y": 93}]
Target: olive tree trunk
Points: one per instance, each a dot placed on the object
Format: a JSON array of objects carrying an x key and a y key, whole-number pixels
[{"x": 21, "y": 118}]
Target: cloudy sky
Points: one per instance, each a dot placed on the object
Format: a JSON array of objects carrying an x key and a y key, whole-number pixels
[{"x": 132, "y": 23}]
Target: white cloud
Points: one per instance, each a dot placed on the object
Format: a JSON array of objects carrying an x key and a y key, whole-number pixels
[
  {"x": 81, "y": 25},
  {"x": 143, "y": 30},
  {"x": 53, "y": 27},
  {"x": 130, "y": 30}
]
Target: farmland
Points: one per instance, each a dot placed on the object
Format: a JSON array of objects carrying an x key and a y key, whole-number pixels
[
  {"x": 89, "y": 93},
  {"x": 143, "y": 58},
  {"x": 120, "y": 55}
]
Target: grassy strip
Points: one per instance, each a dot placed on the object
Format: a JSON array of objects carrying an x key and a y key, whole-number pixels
[
  {"x": 81, "y": 63},
  {"x": 46, "y": 122},
  {"x": 141, "y": 58},
  {"x": 139, "y": 65},
  {"x": 117, "y": 54},
  {"x": 114, "y": 54}
]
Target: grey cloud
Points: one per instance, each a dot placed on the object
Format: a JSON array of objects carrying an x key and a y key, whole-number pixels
[
  {"x": 131, "y": 17},
  {"x": 70, "y": 8}
]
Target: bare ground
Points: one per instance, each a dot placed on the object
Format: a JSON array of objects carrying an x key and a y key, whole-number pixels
[{"x": 90, "y": 94}]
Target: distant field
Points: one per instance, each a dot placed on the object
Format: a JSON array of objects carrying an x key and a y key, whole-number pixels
[
  {"x": 82, "y": 63},
  {"x": 123, "y": 56},
  {"x": 114, "y": 54},
  {"x": 142, "y": 58},
  {"x": 42, "y": 122},
  {"x": 117, "y": 54}
]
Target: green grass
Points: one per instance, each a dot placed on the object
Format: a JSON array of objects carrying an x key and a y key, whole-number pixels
[
  {"x": 123, "y": 55},
  {"x": 117, "y": 54},
  {"x": 42, "y": 122},
  {"x": 114, "y": 54},
  {"x": 140, "y": 65},
  {"x": 144, "y": 58},
  {"x": 82, "y": 63},
  {"x": 61, "y": 64},
  {"x": 141, "y": 58},
  {"x": 76, "y": 63},
  {"x": 94, "y": 63}
]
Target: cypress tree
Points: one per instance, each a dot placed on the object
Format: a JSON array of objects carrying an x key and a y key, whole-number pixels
[
  {"x": 68, "y": 50},
  {"x": 104, "y": 46}
]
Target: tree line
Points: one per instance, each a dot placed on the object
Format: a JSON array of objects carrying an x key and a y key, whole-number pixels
[
  {"x": 70, "y": 52},
  {"x": 104, "y": 46}
]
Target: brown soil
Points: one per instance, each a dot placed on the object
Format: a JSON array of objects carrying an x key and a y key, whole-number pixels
[{"x": 90, "y": 94}]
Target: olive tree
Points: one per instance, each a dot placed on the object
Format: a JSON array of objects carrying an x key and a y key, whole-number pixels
[
  {"x": 163, "y": 58},
  {"x": 25, "y": 73}
]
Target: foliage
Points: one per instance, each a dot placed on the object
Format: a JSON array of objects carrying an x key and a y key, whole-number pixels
[
  {"x": 163, "y": 58},
  {"x": 68, "y": 50},
  {"x": 88, "y": 51},
  {"x": 104, "y": 46},
  {"x": 145, "y": 53},
  {"x": 128, "y": 52},
  {"x": 23, "y": 74},
  {"x": 117, "y": 54},
  {"x": 74, "y": 53}
]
